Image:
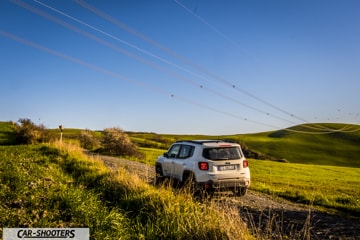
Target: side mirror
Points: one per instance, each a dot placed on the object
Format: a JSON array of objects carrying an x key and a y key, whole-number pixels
[{"x": 166, "y": 155}]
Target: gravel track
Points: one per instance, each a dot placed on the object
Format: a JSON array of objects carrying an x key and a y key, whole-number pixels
[{"x": 268, "y": 217}]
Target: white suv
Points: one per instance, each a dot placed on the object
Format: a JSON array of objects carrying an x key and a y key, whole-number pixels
[{"x": 211, "y": 165}]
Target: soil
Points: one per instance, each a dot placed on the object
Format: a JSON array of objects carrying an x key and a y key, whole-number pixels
[{"x": 269, "y": 217}]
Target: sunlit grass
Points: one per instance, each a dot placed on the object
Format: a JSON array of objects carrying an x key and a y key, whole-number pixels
[
  {"x": 58, "y": 186},
  {"x": 336, "y": 188},
  {"x": 151, "y": 154}
]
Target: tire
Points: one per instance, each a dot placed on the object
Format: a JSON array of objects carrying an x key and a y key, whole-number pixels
[
  {"x": 190, "y": 186},
  {"x": 159, "y": 176},
  {"x": 240, "y": 192},
  {"x": 189, "y": 182}
]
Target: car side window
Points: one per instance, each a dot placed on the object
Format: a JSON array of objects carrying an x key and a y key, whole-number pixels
[
  {"x": 186, "y": 151},
  {"x": 174, "y": 151}
]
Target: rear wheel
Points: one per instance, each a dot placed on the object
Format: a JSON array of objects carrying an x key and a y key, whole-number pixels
[
  {"x": 190, "y": 185},
  {"x": 240, "y": 192},
  {"x": 189, "y": 182}
]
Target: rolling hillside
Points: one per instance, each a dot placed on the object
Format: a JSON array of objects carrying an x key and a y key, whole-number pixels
[
  {"x": 319, "y": 144},
  {"x": 306, "y": 144}
]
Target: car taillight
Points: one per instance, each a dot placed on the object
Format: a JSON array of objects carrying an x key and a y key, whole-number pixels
[
  {"x": 203, "y": 166},
  {"x": 245, "y": 163}
]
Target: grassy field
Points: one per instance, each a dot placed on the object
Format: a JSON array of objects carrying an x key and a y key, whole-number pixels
[
  {"x": 7, "y": 136},
  {"x": 57, "y": 186},
  {"x": 323, "y": 170},
  {"x": 330, "y": 177},
  {"x": 330, "y": 187}
]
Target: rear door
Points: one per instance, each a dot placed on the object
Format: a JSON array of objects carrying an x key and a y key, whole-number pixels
[
  {"x": 169, "y": 162},
  {"x": 180, "y": 163}
]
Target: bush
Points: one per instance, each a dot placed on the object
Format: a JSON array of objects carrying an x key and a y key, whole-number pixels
[
  {"x": 116, "y": 142},
  {"x": 88, "y": 140},
  {"x": 29, "y": 133}
]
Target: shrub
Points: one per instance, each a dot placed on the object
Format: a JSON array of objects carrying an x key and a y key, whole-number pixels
[
  {"x": 29, "y": 133},
  {"x": 88, "y": 140},
  {"x": 116, "y": 142}
]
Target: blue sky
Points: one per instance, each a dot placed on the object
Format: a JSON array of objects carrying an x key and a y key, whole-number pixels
[{"x": 187, "y": 67}]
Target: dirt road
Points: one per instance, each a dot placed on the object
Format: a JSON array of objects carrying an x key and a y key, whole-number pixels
[{"x": 269, "y": 217}]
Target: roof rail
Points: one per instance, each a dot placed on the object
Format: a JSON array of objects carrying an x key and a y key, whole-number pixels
[
  {"x": 192, "y": 141},
  {"x": 205, "y": 141},
  {"x": 229, "y": 141}
]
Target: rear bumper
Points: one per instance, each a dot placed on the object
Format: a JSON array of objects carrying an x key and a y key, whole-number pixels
[{"x": 224, "y": 185}]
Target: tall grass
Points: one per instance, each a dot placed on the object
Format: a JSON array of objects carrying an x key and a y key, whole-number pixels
[
  {"x": 58, "y": 186},
  {"x": 36, "y": 192}
]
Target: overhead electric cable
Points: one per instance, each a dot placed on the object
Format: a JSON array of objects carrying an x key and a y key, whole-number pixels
[
  {"x": 88, "y": 35},
  {"x": 341, "y": 130},
  {"x": 208, "y": 24},
  {"x": 114, "y": 47},
  {"x": 118, "y": 76},
  {"x": 183, "y": 59},
  {"x": 242, "y": 90},
  {"x": 97, "y": 39},
  {"x": 121, "y": 40}
]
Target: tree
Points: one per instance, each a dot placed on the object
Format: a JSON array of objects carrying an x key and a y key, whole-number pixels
[{"x": 116, "y": 142}]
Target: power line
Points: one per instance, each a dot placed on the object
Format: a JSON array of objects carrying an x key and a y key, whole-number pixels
[
  {"x": 341, "y": 130},
  {"x": 132, "y": 81},
  {"x": 227, "y": 38},
  {"x": 215, "y": 92},
  {"x": 120, "y": 40},
  {"x": 81, "y": 62},
  {"x": 185, "y": 60},
  {"x": 147, "y": 62},
  {"x": 208, "y": 24},
  {"x": 118, "y": 76}
]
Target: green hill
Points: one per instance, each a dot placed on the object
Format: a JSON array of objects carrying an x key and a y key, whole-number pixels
[
  {"x": 337, "y": 145},
  {"x": 319, "y": 144}
]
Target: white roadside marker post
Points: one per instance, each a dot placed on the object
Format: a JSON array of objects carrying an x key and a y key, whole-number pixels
[{"x": 61, "y": 127}]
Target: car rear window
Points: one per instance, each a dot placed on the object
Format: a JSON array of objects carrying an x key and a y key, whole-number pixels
[{"x": 222, "y": 153}]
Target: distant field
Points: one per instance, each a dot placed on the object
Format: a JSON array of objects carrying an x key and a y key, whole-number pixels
[
  {"x": 340, "y": 148},
  {"x": 336, "y": 148}
]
